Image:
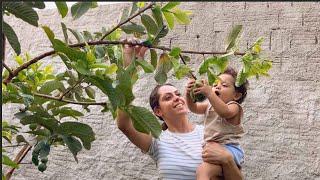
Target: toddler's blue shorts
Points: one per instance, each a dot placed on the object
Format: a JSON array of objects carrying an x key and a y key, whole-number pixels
[{"x": 237, "y": 153}]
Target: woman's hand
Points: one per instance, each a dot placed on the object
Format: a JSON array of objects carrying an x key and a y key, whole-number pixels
[
  {"x": 204, "y": 88},
  {"x": 215, "y": 153},
  {"x": 189, "y": 86},
  {"x": 130, "y": 52}
]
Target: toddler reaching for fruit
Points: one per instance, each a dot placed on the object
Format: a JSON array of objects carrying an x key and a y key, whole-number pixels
[{"x": 223, "y": 116}]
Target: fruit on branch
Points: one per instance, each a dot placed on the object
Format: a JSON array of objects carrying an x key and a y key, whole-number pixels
[{"x": 197, "y": 97}]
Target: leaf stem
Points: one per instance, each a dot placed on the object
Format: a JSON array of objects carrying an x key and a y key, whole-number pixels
[{"x": 131, "y": 17}]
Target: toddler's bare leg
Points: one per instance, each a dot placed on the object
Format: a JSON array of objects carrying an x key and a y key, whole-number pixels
[{"x": 207, "y": 171}]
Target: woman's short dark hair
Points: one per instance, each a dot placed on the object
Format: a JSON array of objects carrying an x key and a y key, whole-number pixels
[
  {"x": 154, "y": 100},
  {"x": 241, "y": 89}
]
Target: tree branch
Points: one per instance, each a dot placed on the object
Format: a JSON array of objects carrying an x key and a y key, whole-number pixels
[
  {"x": 68, "y": 101},
  {"x": 7, "y": 67},
  {"x": 131, "y": 17},
  {"x": 100, "y": 42},
  {"x": 22, "y": 153}
]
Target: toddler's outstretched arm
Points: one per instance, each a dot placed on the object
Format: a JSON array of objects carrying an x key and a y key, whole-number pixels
[{"x": 224, "y": 110}]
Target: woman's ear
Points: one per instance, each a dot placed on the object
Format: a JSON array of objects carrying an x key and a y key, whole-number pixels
[{"x": 157, "y": 112}]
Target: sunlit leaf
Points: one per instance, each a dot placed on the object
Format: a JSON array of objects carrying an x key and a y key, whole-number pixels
[
  {"x": 170, "y": 5},
  {"x": 62, "y": 8},
  {"x": 169, "y": 18},
  {"x": 233, "y": 36}
]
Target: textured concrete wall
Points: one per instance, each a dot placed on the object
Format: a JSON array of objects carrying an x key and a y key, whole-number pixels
[{"x": 282, "y": 113}]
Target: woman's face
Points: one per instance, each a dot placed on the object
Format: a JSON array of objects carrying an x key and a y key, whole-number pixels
[{"x": 171, "y": 103}]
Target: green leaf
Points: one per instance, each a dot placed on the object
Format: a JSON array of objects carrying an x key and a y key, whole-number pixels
[
  {"x": 148, "y": 68},
  {"x": 164, "y": 66},
  {"x": 175, "y": 52},
  {"x": 62, "y": 8},
  {"x": 170, "y": 19},
  {"x": 182, "y": 71},
  {"x": 79, "y": 9},
  {"x": 47, "y": 122},
  {"x": 50, "y": 86},
  {"x": 12, "y": 38},
  {"x": 80, "y": 130},
  {"x": 73, "y": 144},
  {"x": 131, "y": 28},
  {"x": 186, "y": 58},
  {"x": 134, "y": 8},
  {"x": 125, "y": 14},
  {"x": 149, "y": 23},
  {"x": 157, "y": 15},
  {"x": 7, "y": 161},
  {"x": 124, "y": 88},
  {"x": 105, "y": 85},
  {"x": 90, "y": 92},
  {"x": 154, "y": 57},
  {"x": 36, "y": 4},
  {"x": 65, "y": 33},
  {"x": 73, "y": 54},
  {"x": 7, "y": 135},
  {"x": 140, "y": 4},
  {"x": 241, "y": 78},
  {"x": 87, "y": 36},
  {"x": 233, "y": 36},
  {"x": 212, "y": 78},
  {"x": 67, "y": 111},
  {"x": 182, "y": 16},
  {"x": 65, "y": 60},
  {"x": 169, "y": 6},
  {"x": 77, "y": 35},
  {"x": 23, "y": 11},
  {"x": 144, "y": 120},
  {"x": 20, "y": 139},
  {"x": 49, "y": 33}
]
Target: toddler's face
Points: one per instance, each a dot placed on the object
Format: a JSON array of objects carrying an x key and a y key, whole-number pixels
[{"x": 225, "y": 88}]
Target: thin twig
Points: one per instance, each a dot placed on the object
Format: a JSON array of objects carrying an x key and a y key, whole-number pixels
[
  {"x": 131, "y": 17},
  {"x": 16, "y": 145},
  {"x": 194, "y": 77},
  {"x": 36, "y": 59},
  {"x": 22, "y": 153},
  {"x": 67, "y": 91},
  {"x": 7, "y": 67},
  {"x": 68, "y": 101}
]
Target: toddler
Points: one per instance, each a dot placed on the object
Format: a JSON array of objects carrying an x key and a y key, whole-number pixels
[{"x": 223, "y": 116}]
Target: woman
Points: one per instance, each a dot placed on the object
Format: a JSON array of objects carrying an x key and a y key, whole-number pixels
[{"x": 178, "y": 150}]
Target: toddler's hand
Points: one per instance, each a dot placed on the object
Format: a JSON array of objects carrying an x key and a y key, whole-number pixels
[{"x": 203, "y": 88}]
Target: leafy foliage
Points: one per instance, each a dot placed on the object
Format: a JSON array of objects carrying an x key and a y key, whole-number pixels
[{"x": 46, "y": 96}]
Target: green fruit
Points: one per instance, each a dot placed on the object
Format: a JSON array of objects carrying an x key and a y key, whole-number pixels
[
  {"x": 42, "y": 167},
  {"x": 35, "y": 159},
  {"x": 197, "y": 97},
  {"x": 44, "y": 160},
  {"x": 32, "y": 126}
]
